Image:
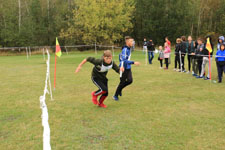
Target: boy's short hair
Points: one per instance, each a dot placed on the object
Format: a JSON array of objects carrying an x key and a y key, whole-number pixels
[
  {"x": 128, "y": 38},
  {"x": 107, "y": 53}
]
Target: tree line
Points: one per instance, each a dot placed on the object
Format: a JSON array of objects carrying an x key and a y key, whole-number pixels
[{"x": 38, "y": 22}]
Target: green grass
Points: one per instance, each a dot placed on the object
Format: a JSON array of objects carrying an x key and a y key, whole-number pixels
[{"x": 161, "y": 110}]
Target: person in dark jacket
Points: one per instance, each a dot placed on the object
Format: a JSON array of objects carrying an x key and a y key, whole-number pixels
[
  {"x": 205, "y": 59},
  {"x": 183, "y": 52},
  {"x": 220, "y": 62},
  {"x": 151, "y": 48},
  {"x": 144, "y": 46},
  {"x": 198, "y": 54},
  {"x": 99, "y": 72},
  {"x": 177, "y": 52},
  {"x": 194, "y": 61},
  {"x": 190, "y": 48}
]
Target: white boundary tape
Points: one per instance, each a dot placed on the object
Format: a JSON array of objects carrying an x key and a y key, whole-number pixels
[{"x": 45, "y": 124}]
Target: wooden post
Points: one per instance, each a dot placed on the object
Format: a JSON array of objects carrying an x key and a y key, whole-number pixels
[
  {"x": 95, "y": 48},
  {"x": 66, "y": 50},
  {"x": 27, "y": 52}
]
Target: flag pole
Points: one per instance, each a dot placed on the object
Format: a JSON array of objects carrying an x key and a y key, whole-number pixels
[
  {"x": 210, "y": 71},
  {"x": 55, "y": 72},
  {"x": 57, "y": 53}
]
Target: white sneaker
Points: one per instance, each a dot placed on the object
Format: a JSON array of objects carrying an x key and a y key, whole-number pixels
[
  {"x": 178, "y": 70},
  {"x": 188, "y": 72},
  {"x": 174, "y": 69}
]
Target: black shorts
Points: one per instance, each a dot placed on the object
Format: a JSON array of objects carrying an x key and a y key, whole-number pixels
[{"x": 101, "y": 84}]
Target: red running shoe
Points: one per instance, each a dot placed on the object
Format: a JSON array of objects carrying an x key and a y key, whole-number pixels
[
  {"x": 102, "y": 105},
  {"x": 94, "y": 98}
]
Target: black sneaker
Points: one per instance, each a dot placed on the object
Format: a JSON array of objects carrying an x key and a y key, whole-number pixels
[{"x": 115, "y": 98}]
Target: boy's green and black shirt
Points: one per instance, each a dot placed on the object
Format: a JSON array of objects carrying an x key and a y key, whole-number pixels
[{"x": 101, "y": 68}]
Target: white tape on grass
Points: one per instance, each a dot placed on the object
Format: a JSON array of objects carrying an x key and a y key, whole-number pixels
[{"x": 45, "y": 124}]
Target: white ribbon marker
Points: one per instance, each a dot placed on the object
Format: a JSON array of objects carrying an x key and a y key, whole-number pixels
[{"x": 45, "y": 124}]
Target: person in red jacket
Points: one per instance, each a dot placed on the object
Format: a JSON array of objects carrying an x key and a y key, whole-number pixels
[{"x": 168, "y": 42}]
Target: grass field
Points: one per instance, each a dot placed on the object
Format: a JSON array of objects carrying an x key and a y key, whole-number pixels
[{"x": 161, "y": 110}]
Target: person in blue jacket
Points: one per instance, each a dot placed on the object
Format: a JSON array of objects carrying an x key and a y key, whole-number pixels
[
  {"x": 220, "y": 62},
  {"x": 125, "y": 67}
]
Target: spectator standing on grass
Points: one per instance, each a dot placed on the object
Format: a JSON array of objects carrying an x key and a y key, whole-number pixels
[
  {"x": 220, "y": 62},
  {"x": 205, "y": 59},
  {"x": 168, "y": 41},
  {"x": 195, "y": 61},
  {"x": 183, "y": 52},
  {"x": 220, "y": 41},
  {"x": 177, "y": 56},
  {"x": 199, "y": 53},
  {"x": 166, "y": 54},
  {"x": 151, "y": 48},
  {"x": 190, "y": 48},
  {"x": 145, "y": 46},
  {"x": 161, "y": 56},
  {"x": 169, "y": 44}
]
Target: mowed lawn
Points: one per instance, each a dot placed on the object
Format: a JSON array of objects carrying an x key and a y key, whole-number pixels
[{"x": 161, "y": 110}]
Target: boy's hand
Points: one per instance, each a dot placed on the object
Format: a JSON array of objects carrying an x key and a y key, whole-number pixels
[
  {"x": 192, "y": 53},
  {"x": 78, "y": 69},
  {"x": 122, "y": 69},
  {"x": 137, "y": 63}
]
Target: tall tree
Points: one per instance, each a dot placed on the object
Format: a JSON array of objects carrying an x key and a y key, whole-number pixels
[
  {"x": 99, "y": 21},
  {"x": 38, "y": 22}
]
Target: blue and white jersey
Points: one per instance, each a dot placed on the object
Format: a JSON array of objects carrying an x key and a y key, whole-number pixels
[{"x": 124, "y": 58}]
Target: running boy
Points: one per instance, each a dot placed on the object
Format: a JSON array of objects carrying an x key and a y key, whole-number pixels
[
  {"x": 99, "y": 72},
  {"x": 125, "y": 68}
]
